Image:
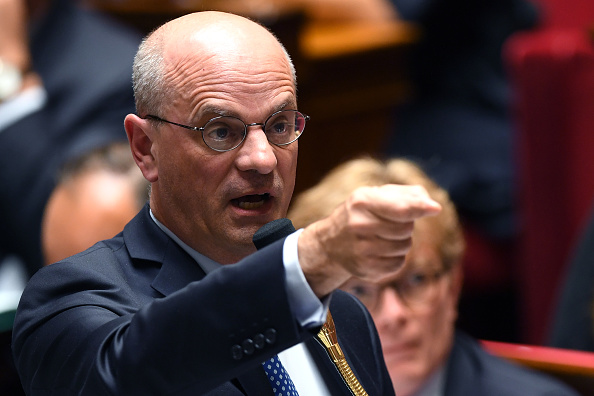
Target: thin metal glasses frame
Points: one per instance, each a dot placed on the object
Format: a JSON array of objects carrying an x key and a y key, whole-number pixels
[{"x": 246, "y": 126}]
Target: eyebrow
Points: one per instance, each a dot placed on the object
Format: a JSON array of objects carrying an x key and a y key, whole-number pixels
[
  {"x": 284, "y": 105},
  {"x": 220, "y": 111}
]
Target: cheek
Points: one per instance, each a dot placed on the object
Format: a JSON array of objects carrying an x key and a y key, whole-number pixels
[
  {"x": 438, "y": 330},
  {"x": 186, "y": 174},
  {"x": 287, "y": 157},
  {"x": 186, "y": 159},
  {"x": 287, "y": 168}
]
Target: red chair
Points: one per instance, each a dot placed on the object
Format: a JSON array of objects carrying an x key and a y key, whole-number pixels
[
  {"x": 552, "y": 72},
  {"x": 575, "y": 368}
]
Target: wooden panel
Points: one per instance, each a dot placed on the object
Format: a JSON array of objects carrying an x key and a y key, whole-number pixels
[{"x": 350, "y": 99}]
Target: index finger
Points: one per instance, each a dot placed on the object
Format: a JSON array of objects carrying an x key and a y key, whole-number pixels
[{"x": 401, "y": 202}]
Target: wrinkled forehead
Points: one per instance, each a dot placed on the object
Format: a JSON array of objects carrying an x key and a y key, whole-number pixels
[
  {"x": 225, "y": 66},
  {"x": 219, "y": 60}
]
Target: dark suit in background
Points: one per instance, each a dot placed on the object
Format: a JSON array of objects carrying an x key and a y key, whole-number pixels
[
  {"x": 144, "y": 272},
  {"x": 457, "y": 123},
  {"x": 572, "y": 325},
  {"x": 85, "y": 62},
  {"x": 473, "y": 371}
]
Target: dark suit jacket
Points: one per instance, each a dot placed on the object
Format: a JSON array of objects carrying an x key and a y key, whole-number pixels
[
  {"x": 135, "y": 315},
  {"x": 457, "y": 123},
  {"x": 85, "y": 62},
  {"x": 572, "y": 327},
  {"x": 473, "y": 371}
]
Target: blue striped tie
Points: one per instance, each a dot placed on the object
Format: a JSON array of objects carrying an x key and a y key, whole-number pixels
[{"x": 279, "y": 378}]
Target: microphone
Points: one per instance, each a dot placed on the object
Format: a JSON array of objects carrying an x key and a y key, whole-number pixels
[{"x": 273, "y": 231}]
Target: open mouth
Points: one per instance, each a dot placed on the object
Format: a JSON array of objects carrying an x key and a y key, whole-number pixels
[{"x": 251, "y": 202}]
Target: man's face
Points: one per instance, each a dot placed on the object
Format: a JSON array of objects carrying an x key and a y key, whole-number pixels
[
  {"x": 417, "y": 335},
  {"x": 215, "y": 201}
]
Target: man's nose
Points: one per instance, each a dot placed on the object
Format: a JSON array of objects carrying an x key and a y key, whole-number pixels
[
  {"x": 391, "y": 305},
  {"x": 256, "y": 153}
]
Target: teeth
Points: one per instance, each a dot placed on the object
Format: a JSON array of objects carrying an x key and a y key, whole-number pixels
[{"x": 251, "y": 205}]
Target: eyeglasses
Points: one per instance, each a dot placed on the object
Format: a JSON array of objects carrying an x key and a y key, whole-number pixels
[
  {"x": 225, "y": 133},
  {"x": 415, "y": 290}
]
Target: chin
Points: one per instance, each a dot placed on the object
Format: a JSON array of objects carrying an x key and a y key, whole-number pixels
[{"x": 407, "y": 380}]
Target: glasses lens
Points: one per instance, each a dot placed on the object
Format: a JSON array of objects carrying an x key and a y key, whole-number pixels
[
  {"x": 417, "y": 288},
  {"x": 223, "y": 133},
  {"x": 284, "y": 127}
]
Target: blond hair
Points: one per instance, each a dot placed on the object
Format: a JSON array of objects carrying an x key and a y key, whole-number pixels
[{"x": 319, "y": 201}]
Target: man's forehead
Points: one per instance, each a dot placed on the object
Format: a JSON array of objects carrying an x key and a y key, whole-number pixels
[
  {"x": 217, "y": 31},
  {"x": 222, "y": 49}
]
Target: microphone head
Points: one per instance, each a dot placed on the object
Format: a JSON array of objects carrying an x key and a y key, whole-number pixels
[{"x": 273, "y": 231}]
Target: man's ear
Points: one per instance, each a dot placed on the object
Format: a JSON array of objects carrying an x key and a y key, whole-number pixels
[{"x": 140, "y": 135}]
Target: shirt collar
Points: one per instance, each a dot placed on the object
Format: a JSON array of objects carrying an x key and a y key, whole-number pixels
[
  {"x": 435, "y": 384},
  {"x": 207, "y": 264}
]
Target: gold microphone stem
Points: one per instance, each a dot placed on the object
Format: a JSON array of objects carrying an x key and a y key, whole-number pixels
[{"x": 327, "y": 335}]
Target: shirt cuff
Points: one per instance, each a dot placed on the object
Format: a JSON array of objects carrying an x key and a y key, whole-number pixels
[{"x": 309, "y": 310}]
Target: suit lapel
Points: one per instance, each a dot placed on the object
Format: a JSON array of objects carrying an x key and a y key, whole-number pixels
[
  {"x": 178, "y": 270},
  {"x": 146, "y": 241}
]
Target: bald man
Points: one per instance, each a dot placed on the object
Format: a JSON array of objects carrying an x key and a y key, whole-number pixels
[{"x": 180, "y": 302}]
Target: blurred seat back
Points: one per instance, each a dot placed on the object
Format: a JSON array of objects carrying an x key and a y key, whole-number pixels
[
  {"x": 552, "y": 72},
  {"x": 575, "y": 368}
]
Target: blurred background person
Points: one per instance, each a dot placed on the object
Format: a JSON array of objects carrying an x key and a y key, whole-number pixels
[
  {"x": 96, "y": 195},
  {"x": 65, "y": 88},
  {"x": 458, "y": 124},
  {"x": 71, "y": 91},
  {"x": 572, "y": 325},
  {"x": 415, "y": 311}
]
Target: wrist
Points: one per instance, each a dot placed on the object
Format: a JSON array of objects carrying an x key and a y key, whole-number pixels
[{"x": 323, "y": 273}]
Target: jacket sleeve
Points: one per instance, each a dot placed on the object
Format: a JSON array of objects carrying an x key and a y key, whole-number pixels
[{"x": 85, "y": 327}]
